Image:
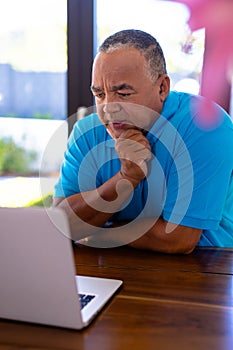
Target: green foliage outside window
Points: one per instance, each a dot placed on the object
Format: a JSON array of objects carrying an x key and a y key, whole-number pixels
[
  {"x": 15, "y": 159},
  {"x": 45, "y": 201}
]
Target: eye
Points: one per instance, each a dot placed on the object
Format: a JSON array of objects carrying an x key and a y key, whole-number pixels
[
  {"x": 126, "y": 94},
  {"x": 100, "y": 95}
]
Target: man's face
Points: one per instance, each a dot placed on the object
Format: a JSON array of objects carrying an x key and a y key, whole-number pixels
[{"x": 124, "y": 93}]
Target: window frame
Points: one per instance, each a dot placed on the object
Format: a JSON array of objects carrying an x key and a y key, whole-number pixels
[{"x": 80, "y": 53}]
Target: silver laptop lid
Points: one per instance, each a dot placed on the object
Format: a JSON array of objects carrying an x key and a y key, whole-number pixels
[{"x": 37, "y": 271}]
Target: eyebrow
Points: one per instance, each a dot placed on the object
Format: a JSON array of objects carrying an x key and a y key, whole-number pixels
[
  {"x": 123, "y": 86},
  {"x": 95, "y": 88}
]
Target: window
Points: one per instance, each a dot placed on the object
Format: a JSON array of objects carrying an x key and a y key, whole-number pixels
[
  {"x": 166, "y": 21},
  {"x": 33, "y": 102}
]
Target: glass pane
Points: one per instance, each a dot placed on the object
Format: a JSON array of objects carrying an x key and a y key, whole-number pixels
[
  {"x": 33, "y": 103},
  {"x": 166, "y": 21}
]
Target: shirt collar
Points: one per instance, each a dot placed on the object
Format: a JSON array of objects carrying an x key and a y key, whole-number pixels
[{"x": 171, "y": 104}]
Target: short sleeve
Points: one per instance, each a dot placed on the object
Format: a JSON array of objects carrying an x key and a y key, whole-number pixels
[{"x": 199, "y": 178}]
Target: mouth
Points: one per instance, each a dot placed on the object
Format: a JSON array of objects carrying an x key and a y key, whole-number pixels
[
  {"x": 120, "y": 125},
  {"x": 115, "y": 129}
]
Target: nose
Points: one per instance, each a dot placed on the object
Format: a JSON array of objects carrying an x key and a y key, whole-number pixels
[{"x": 111, "y": 107}]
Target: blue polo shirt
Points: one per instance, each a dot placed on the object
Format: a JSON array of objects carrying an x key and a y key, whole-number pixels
[{"x": 190, "y": 178}]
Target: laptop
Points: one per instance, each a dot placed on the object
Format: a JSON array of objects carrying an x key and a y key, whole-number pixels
[{"x": 37, "y": 272}]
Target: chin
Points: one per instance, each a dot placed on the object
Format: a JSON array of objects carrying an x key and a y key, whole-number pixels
[{"x": 112, "y": 133}]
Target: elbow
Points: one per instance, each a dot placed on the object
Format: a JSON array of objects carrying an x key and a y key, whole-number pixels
[
  {"x": 180, "y": 250},
  {"x": 56, "y": 201},
  {"x": 189, "y": 250},
  {"x": 184, "y": 249},
  {"x": 184, "y": 240}
]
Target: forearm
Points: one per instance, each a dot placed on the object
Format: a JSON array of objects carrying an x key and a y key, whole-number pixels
[
  {"x": 168, "y": 238},
  {"x": 163, "y": 236},
  {"x": 95, "y": 207}
]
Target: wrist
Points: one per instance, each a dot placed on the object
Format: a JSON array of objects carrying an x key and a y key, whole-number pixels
[{"x": 133, "y": 181}]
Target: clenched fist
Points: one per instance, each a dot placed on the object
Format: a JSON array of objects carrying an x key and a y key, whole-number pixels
[{"x": 134, "y": 152}]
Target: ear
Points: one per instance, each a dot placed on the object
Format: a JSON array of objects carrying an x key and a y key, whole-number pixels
[{"x": 164, "y": 85}]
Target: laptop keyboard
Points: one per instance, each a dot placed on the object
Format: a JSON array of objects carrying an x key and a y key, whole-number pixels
[{"x": 85, "y": 299}]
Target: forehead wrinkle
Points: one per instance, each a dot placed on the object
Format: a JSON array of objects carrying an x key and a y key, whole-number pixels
[
  {"x": 123, "y": 86},
  {"x": 114, "y": 88}
]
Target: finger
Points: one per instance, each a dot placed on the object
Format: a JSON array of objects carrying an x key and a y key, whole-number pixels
[
  {"x": 129, "y": 133},
  {"x": 134, "y": 153},
  {"x": 137, "y": 144},
  {"x": 143, "y": 167},
  {"x": 144, "y": 154}
]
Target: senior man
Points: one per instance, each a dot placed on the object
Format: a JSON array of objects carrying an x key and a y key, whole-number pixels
[{"x": 144, "y": 162}]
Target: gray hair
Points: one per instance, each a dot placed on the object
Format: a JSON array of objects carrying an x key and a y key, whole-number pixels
[{"x": 143, "y": 42}]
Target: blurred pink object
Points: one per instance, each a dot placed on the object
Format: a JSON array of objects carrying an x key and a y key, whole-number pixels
[{"x": 217, "y": 18}]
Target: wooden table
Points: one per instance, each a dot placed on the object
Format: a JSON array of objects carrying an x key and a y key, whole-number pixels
[{"x": 166, "y": 302}]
